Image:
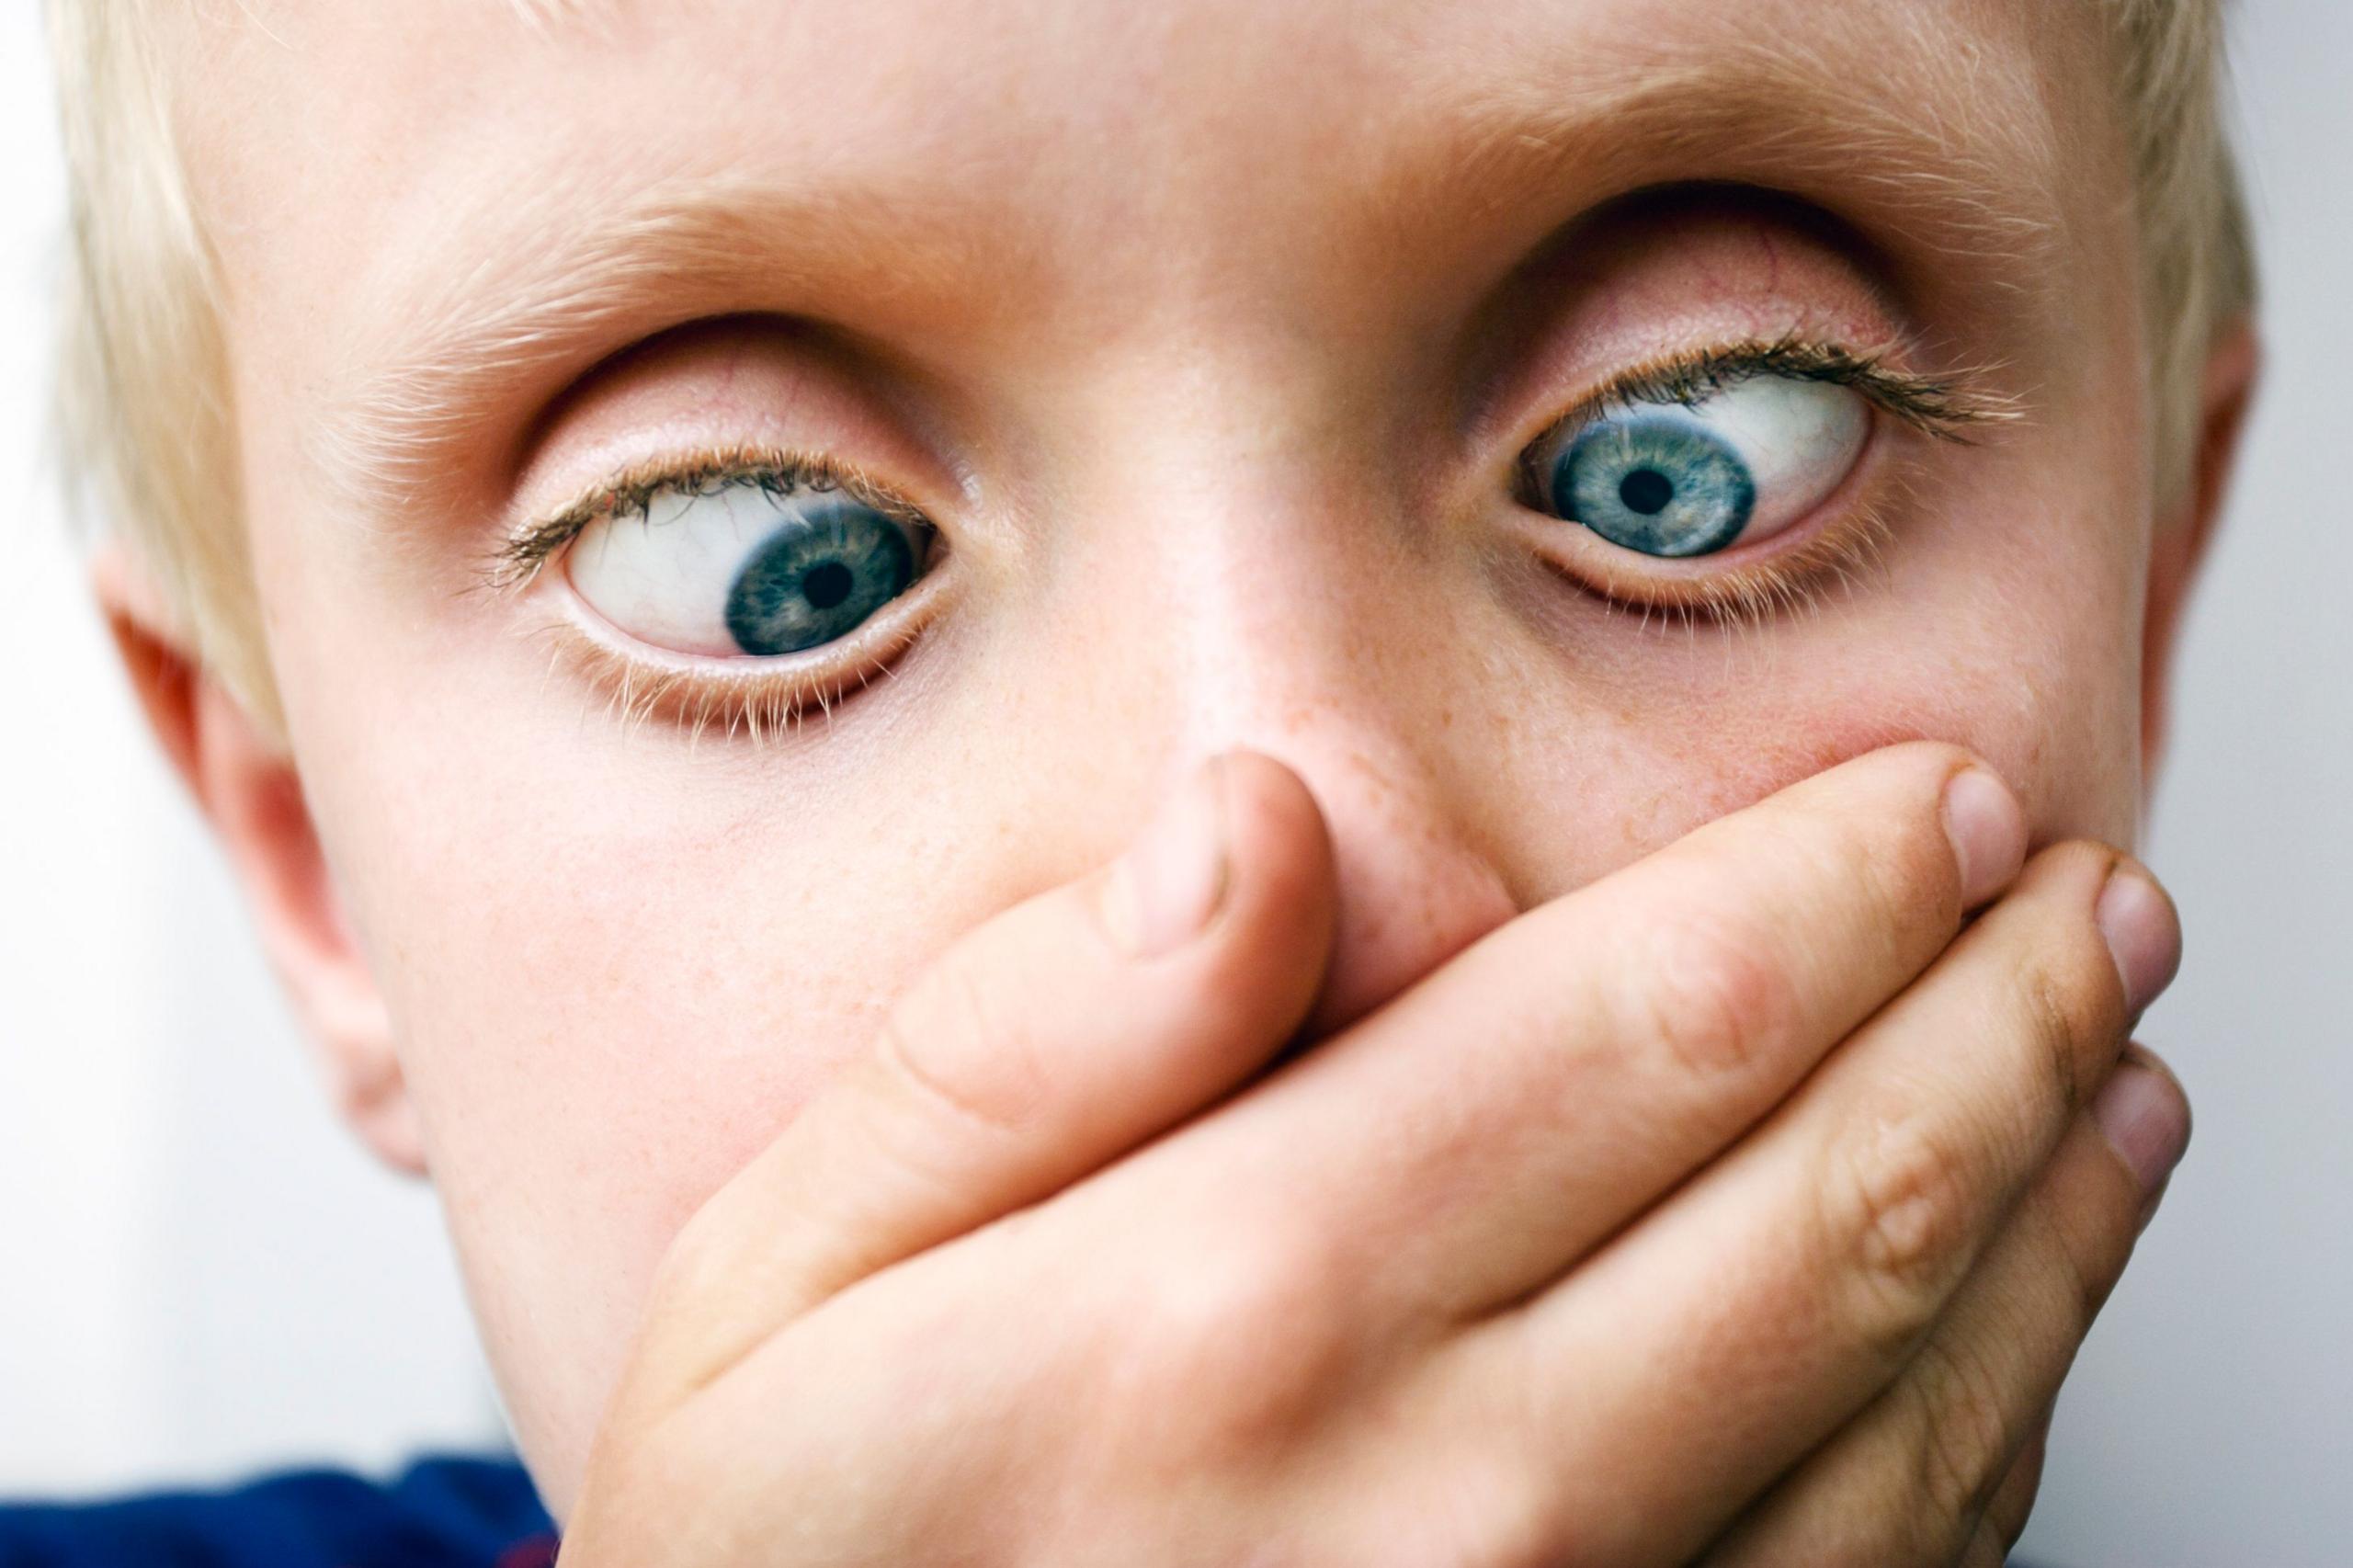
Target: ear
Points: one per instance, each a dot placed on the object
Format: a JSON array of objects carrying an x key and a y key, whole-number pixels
[
  {"x": 245, "y": 784},
  {"x": 2185, "y": 534}
]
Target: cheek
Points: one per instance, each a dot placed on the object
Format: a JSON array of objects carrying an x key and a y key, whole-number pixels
[
  {"x": 2015, "y": 634},
  {"x": 617, "y": 972}
]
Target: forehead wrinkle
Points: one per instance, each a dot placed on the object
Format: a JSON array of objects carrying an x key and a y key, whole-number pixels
[
  {"x": 519, "y": 308},
  {"x": 1939, "y": 137}
]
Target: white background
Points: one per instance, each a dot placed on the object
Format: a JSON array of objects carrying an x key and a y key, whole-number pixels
[{"x": 200, "y": 1274}]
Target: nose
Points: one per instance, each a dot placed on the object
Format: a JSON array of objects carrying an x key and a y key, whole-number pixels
[
  {"x": 1412, "y": 892},
  {"x": 1342, "y": 671}
]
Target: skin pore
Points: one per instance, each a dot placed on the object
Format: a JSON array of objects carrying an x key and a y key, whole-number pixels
[{"x": 1215, "y": 375}]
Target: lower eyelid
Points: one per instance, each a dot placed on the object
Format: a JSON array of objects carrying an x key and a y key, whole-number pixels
[
  {"x": 1844, "y": 557},
  {"x": 1846, "y": 537},
  {"x": 761, "y": 697}
]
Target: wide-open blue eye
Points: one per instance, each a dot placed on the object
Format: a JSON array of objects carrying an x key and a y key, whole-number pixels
[
  {"x": 739, "y": 568},
  {"x": 1657, "y": 481},
  {"x": 817, "y": 579},
  {"x": 1677, "y": 480}
]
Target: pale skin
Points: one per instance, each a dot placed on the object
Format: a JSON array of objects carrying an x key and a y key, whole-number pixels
[{"x": 1509, "y": 1173}]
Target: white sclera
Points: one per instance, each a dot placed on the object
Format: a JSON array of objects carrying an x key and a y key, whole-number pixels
[
  {"x": 1799, "y": 438},
  {"x": 664, "y": 577}
]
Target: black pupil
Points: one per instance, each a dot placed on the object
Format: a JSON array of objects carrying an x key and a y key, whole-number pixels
[
  {"x": 827, "y": 586},
  {"x": 1646, "y": 491}
]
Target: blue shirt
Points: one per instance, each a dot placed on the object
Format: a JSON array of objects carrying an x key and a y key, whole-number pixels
[{"x": 442, "y": 1513}]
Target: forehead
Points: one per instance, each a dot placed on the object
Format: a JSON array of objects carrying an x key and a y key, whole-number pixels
[
  {"x": 474, "y": 182},
  {"x": 1030, "y": 127},
  {"x": 926, "y": 66}
]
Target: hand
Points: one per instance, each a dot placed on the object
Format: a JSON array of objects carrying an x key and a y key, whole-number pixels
[{"x": 1729, "y": 1206}]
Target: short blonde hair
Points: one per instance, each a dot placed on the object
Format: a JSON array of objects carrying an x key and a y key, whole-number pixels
[{"x": 143, "y": 386}]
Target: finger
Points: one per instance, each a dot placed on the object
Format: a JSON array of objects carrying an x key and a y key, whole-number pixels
[
  {"x": 2013, "y": 1501},
  {"x": 1554, "y": 1079},
  {"x": 1984, "y": 1552},
  {"x": 1046, "y": 1043},
  {"x": 1797, "y": 1276},
  {"x": 1911, "y": 1480}
]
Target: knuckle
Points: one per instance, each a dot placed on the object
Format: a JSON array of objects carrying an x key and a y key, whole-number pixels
[
  {"x": 2062, "y": 1018},
  {"x": 1909, "y": 879},
  {"x": 1225, "y": 1350},
  {"x": 1899, "y": 1216},
  {"x": 1963, "y": 1430},
  {"x": 955, "y": 1040},
  {"x": 1709, "y": 994},
  {"x": 2013, "y": 1500},
  {"x": 2084, "y": 1284},
  {"x": 2086, "y": 1255},
  {"x": 2055, "y": 1032},
  {"x": 1985, "y": 1551}
]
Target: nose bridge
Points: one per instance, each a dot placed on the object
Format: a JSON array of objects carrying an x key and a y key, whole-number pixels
[
  {"x": 1291, "y": 609},
  {"x": 1269, "y": 560}
]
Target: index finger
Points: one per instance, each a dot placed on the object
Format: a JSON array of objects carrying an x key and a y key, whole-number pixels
[{"x": 1487, "y": 1128}]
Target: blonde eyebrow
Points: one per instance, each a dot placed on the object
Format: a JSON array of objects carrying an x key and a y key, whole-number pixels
[
  {"x": 1882, "y": 123},
  {"x": 675, "y": 250},
  {"x": 1959, "y": 163}
]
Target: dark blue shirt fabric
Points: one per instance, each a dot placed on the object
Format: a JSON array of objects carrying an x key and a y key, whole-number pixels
[
  {"x": 446, "y": 1513},
  {"x": 442, "y": 1513}
]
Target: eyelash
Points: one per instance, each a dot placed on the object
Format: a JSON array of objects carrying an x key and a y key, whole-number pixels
[
  {"x": 761, "y": 699},
  {"x": 774, "y": 471},
  {"x": 765, "y": 699},
  {"x": 1793, "y": 582}
]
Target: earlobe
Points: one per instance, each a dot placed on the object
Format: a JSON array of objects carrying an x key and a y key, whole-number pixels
[
  {"x": 245, "y": 784},
  {"x": 2185, "y": 534}
]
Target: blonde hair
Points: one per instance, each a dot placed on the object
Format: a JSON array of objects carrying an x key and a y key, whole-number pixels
[{"x": 142, "y": 386}]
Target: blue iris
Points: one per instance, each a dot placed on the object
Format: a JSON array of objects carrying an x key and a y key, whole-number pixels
[
  {"x": 1658, "y": 481},
  {"x": 818, "y": 578}
]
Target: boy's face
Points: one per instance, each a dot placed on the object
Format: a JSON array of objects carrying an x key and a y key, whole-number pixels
[{"x": 1217, "y": 344}]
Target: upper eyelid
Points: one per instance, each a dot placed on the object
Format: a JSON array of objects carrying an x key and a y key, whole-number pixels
[
  {"x": 529, "y": 544},
  {"x": 1945, "y": 407},
  {"x": 1948, "y": 409}
]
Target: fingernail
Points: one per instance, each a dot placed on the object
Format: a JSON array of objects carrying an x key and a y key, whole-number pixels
[
  {"x": 1988, "y": 833},
  {"x": 1164, "y": 888},
  {"x": 2143, "y": 1116},
  {"x": 2141, "y": 934}
]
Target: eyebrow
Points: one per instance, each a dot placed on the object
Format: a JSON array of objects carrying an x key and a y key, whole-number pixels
[
  {"x": 1956, "y": 163},
  {"x": 676, "y": 250}
]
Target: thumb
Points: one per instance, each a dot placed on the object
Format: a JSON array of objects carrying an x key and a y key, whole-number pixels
[{"x": 1043, "y": 1045}]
